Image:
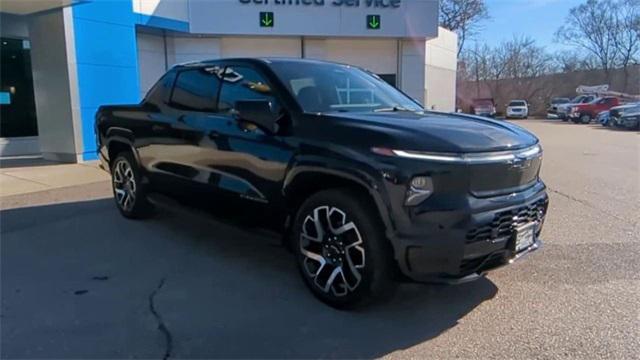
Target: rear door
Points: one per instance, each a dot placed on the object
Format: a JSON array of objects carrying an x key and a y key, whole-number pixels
[{"x": 186, "y": 142}]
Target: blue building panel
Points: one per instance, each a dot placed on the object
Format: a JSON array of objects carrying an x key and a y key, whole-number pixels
[
  {"x": 107, "y": 62},
  {"x": 107, "y": 85},
  {"x": 105, "y": 43},
  {"x": 107, "y": 59},
  {"x": 109, "y": 11}
]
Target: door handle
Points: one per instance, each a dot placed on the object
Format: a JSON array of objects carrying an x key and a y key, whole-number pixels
[
  {"x": 158, "y": 128},
  {"x": 181, "y": 118},
  {"x": 214, "y": 135}
]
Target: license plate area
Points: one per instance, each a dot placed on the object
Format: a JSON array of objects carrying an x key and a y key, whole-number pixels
[{"x": 525, "y": 236}]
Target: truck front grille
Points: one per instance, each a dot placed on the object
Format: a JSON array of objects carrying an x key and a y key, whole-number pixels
[{"x": 506, "y": 221}]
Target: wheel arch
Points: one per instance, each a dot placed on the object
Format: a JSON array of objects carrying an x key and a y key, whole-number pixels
[
  {"x": 120, "y": 140},
  {"x": 304, "y": 182}
]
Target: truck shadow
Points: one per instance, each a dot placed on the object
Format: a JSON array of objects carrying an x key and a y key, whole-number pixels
[{"x": 219, "y": 290}]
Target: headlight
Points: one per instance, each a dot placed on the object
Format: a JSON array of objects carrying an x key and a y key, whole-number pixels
[{"x": 420, "y": 188}]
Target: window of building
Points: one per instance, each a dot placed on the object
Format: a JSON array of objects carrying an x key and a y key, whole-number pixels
[
  {"x": 17, "y": 101},
  {"x": 196, "y": 89},
  {"x": 241, "y": 83}
]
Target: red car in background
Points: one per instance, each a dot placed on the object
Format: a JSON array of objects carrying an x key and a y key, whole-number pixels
[
  {"x": 483, "y": 107},
  {"x": 584, "y": 113}
]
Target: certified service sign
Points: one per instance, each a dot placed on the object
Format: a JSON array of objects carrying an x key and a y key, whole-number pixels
[
  {"x": 399, "y": 19},
  {"x": 346, "y": 3}
]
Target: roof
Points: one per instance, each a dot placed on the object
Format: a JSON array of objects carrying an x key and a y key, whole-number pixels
[{"x": 263, "y": 60}]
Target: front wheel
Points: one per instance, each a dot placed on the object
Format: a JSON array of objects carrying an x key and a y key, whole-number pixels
[
  {"x": 343, "y": 255},
  {"x": 585, "y": 119}
]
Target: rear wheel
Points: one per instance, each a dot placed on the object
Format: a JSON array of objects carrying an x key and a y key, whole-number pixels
[
  {"x": 343, "y": 255},
  {"x": 129, "y": 192}
]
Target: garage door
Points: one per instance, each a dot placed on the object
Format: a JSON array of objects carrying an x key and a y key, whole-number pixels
[
  {"x": 376, "y": 55},
  {"x": 260, "y": 47}
]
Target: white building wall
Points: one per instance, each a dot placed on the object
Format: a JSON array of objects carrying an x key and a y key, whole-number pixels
[
  {"x": 151, "y": 60},
  {"x": 412, "y": 69},
  {"x": 186, "y": 49},
  {"x": 172, "y": 9},
  {"x": 55, "y": 86},
  {"x": 440, "y": 71}
]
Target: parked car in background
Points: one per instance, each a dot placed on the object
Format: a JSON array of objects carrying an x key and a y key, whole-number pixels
[
  {"x": 564, "y": 109},
  {"x": 630, "y": 118},
  {"x": 483, "y": 107},
  {"x": 584, "y": 113},
  {"x": 616, "y": 113},
  {"x": 552, "y": 109},
  {"x": 517, "y": 109},
  {"x": 603, "y": 118}
]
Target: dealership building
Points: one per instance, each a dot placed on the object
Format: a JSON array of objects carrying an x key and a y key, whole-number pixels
[{"x": 62, "y": 59}]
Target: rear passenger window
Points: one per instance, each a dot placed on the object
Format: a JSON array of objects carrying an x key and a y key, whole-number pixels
[
  {"x": 159, "y": 93},
  {"x": 197, "y": 89},
  {"x": 241, "y": 83}
]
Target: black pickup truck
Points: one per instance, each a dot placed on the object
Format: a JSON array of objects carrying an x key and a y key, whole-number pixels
[{"x": 365, "y": 185}]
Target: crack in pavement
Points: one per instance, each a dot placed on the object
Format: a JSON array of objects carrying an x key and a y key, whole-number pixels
[
  {"x": 589, "y": 205},
  {"x": 161, "y": 325}
]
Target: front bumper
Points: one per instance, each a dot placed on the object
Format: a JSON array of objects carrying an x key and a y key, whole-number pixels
[
  {"x": 629, "y": 123},
  {"x": 520, "y": 114},
  {"x": 476, "y": 238}
]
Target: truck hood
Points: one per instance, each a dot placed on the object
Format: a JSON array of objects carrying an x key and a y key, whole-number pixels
[{"x": 436, "y": 132}]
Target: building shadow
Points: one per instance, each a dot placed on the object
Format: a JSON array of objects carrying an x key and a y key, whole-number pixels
[
  {"x": 27, "y": 161},
  {"x": 79, "y": 274}
]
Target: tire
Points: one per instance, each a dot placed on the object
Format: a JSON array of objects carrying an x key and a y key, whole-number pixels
[
  {"x": 342, "y": 253},
  {"x": 129, "y": 192},
  {"x": 585, "y": 119}
]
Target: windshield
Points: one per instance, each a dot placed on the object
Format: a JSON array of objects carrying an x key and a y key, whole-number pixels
[
  {"x": 517, "y": 103},
  {"x": 323, "y": 88}
]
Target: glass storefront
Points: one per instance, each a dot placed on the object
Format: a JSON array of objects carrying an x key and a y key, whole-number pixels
[{"x": 17, "y": 104}]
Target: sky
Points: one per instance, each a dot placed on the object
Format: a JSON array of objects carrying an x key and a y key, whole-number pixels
[{"x": 538, "y": 19}]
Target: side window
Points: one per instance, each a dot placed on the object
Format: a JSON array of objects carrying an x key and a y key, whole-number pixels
[
  {"x": 196, "y": 89},
  {"x": 242, "y": 83},
  {"x": 159, "y": 93}
]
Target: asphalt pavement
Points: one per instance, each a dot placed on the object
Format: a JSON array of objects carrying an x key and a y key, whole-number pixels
[{"x": 80, "y": 281}]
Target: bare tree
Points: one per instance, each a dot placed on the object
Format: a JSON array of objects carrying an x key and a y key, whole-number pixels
[
  {"x": 625, "y": 32},
  {"x": 568, "y": 61},
  {"x": 462, "y": 17},
  {"x": 519, "y": 60},
  {"x": 607, "y": 31}
]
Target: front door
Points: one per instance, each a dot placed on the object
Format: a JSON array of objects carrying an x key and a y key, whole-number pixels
[{"x": 254, "y": 160}]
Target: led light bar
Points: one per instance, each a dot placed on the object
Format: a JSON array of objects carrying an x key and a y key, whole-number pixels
[{"x": 485, "y": 157}]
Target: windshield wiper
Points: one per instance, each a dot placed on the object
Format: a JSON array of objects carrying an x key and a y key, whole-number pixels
[{"x": 393, "y": 109}]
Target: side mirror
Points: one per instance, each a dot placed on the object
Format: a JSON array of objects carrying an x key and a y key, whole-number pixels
[{"x": 258, "y": 112}]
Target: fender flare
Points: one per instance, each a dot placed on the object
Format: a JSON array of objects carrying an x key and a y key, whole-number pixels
[
  {"x": 124, "y": 136},
  {"x": 362, "y": 178}
]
